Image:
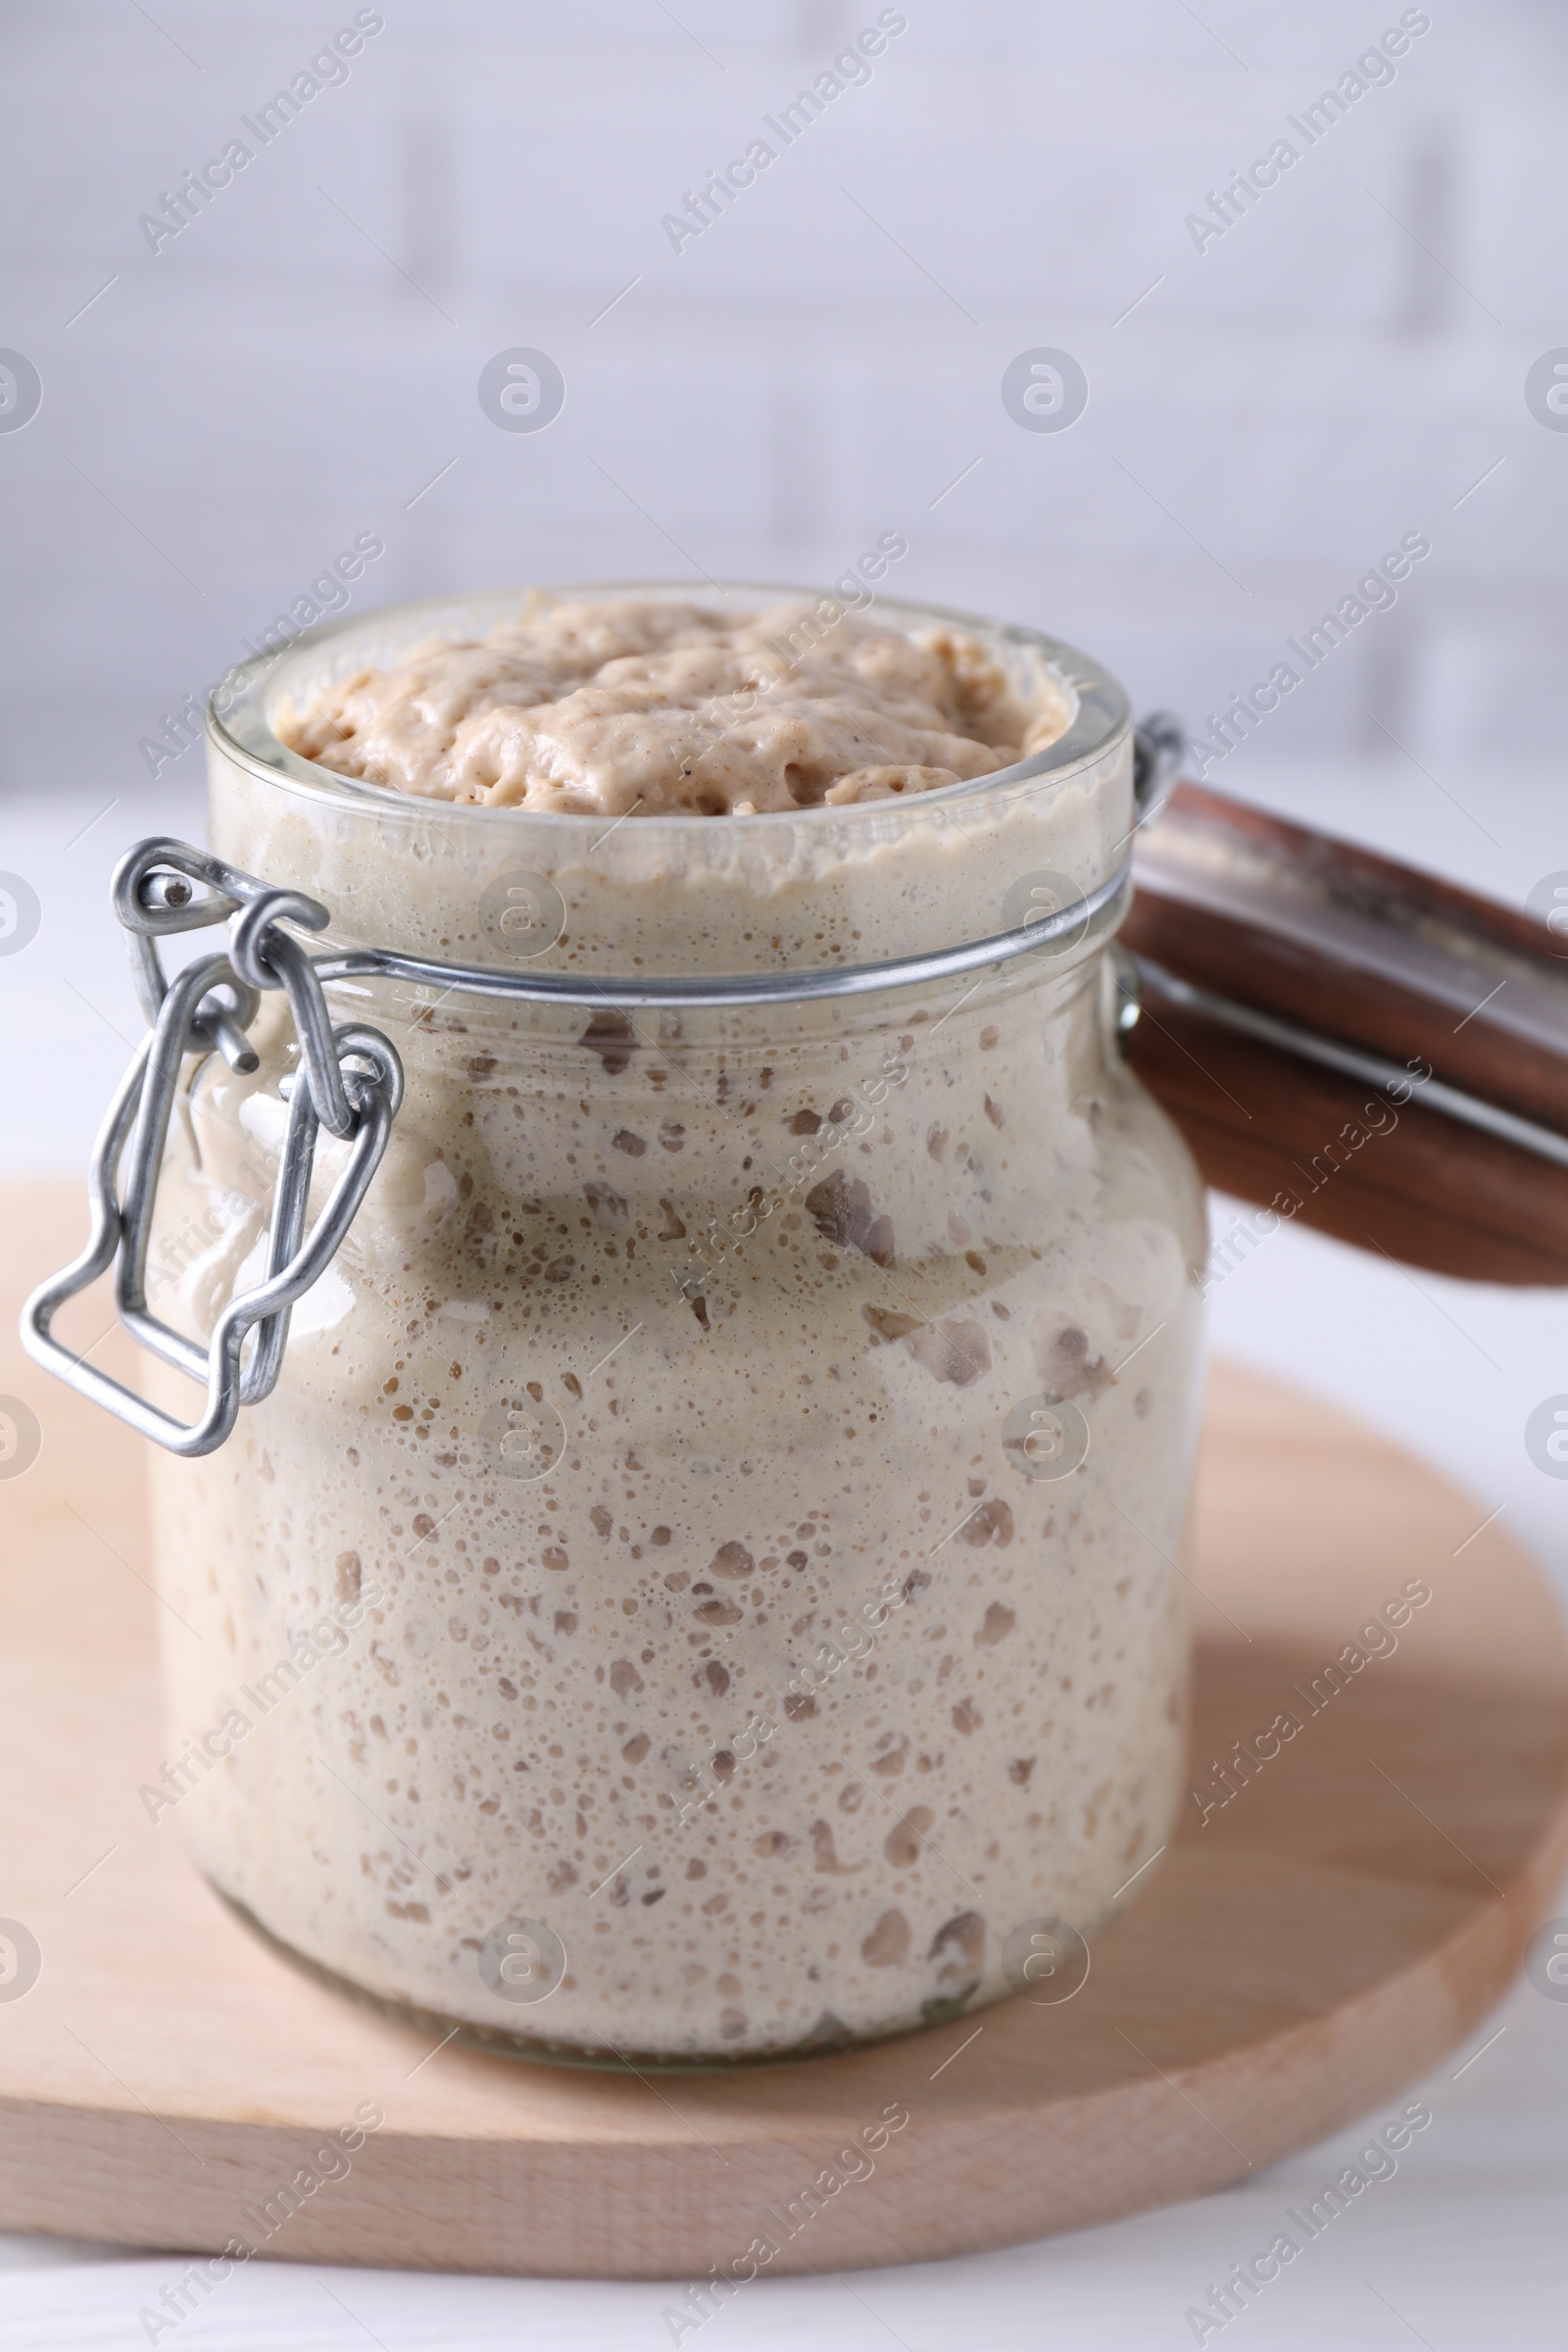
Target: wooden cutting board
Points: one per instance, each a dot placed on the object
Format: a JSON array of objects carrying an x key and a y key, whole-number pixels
[{"x": 1291, "y": 1961}]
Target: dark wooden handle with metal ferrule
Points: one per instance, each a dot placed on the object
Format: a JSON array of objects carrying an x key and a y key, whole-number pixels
[{"x": 1368, "y": 1049}]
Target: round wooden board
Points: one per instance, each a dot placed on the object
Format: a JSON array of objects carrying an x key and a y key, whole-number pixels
[{"x": 1290, "y": 1962}]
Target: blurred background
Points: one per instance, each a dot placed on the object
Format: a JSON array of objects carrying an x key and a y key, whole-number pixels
[{"x": 210, "y": 391}]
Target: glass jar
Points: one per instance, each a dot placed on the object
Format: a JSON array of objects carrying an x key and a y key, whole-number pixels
[{"x": 707, "y": 1586}]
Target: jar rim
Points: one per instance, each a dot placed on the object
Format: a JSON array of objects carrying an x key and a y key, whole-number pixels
[{"x": 243, "y": 729}]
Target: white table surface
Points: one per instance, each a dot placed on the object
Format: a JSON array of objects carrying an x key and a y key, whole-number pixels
[{"x": 1464, "y": 2246}]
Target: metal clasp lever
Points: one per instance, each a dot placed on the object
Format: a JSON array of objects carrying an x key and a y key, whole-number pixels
[{"x": 350, "y": 1081}]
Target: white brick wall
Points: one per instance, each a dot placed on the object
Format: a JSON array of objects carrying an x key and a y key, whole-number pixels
[{"x": 1313, "y": 383}]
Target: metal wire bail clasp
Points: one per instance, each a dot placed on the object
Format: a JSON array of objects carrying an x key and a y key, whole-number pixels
[{"x": 350, "y": 1081}]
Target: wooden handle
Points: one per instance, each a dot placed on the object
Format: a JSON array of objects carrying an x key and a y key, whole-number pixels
[{"x": 1377, "y": 957}]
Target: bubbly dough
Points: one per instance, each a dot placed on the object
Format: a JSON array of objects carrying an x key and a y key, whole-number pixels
[
  {"x": 640, "y": 706},
  {"x": 783, "y": 1698}
]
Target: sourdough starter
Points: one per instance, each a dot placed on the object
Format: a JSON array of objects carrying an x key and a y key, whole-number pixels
[{"x": 637, "y": 1555}]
